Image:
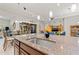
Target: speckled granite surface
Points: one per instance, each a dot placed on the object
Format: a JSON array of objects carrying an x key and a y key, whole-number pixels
[{"x": 64, "y": 45}]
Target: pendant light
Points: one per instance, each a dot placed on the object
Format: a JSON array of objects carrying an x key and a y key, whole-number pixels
[
  {"x": 73, "y": 7},
  {"x": 38, "y": 17},
  {"x": 51, "y": 15}
]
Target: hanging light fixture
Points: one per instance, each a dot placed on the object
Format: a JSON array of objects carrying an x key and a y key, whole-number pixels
[
  {"x": 38, "y": 17},
  {"x": 51, "y": 15},
  {"x": 18, "y": 3},
  {"x": 73, "y": 7},
  {"x": 24, "y": 8}
]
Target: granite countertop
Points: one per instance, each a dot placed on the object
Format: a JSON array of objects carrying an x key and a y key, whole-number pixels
[
  {"x": 38, "y": 47},
  {"x": 64, "y": 45}
]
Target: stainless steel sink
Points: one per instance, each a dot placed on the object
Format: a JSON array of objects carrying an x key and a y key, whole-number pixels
[{"x": 42, "y": 42}]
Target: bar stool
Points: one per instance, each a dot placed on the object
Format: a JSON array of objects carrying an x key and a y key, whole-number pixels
[{"x": 6, "y": 41}]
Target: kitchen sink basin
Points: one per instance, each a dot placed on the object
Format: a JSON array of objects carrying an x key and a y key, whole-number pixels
[{"x": 42, "y": 42}]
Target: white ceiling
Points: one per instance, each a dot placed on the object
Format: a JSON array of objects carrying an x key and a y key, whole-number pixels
[{"x": 35, "y": 9}]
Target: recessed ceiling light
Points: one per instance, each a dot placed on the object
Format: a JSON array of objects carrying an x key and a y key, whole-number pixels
[
  {"x": 58, "y": 4},
  {"x": 38, "y": 17},
  {"x": 73, "y": 7}
]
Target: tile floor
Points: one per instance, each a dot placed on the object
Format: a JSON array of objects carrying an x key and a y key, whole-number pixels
[{"x": 9, "y": 51}]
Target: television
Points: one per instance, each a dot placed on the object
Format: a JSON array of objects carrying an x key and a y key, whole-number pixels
[{"x": 54, "y": 29}]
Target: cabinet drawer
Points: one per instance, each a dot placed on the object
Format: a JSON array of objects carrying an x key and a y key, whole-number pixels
[
  {"x": 15, "y": 45},
  {"x": 16, "y": 42},
  {"x": 30, "y": 50},
  {"x": 16, "y": 50},
  {"x": 22, "y": 52}
]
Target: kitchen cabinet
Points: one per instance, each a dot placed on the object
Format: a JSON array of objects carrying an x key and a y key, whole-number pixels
[
  {"x": 22, "y": 52},
  {"x": 16, "y": 49},
  {"x": 27, "y": 28},
  {"x": 21, "y": 48}
]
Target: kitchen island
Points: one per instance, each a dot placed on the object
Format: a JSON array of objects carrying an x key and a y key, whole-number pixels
[{"x": 64, "y": 45}]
